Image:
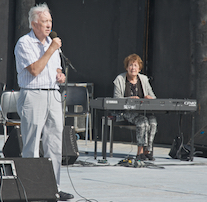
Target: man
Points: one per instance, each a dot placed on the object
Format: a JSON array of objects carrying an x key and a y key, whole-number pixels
[{"x": 39, "y": 106}]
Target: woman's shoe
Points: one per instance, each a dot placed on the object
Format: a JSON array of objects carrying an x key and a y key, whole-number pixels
[
  {"x": 141, "y": 157},
  {"x": 150, "y": 157}
]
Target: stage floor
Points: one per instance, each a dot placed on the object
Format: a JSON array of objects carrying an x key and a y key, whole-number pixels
[{"x": 162, "y": 180}]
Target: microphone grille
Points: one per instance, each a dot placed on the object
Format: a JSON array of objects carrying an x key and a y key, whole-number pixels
[{"x": 53, "y": 34}]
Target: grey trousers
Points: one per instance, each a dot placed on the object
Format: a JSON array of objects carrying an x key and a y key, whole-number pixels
[
  {"x": 146, "y": 128},
  {"x": 41, "y": 114}
]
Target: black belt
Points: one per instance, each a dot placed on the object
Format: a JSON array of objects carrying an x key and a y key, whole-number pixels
[{"x": 47, "y": 89}]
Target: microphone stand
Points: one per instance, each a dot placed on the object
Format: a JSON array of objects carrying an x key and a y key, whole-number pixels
[{"x": 66, "y": 63}]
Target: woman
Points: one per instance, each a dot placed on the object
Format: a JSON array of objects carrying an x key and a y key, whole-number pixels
[{"x": 135, "y": 85}]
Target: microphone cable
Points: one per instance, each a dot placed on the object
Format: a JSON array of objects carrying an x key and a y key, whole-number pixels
[
  {"x": 83, "y": 198},
  {"x": 15, "y": 178},
  {"x": 1, "y": 173},
  {"x": 24, "y": 192},
  {"x": 67, "y": 166},
  {"x": 61, "y": 94}
]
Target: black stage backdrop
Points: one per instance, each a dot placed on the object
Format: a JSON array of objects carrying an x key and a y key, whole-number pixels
[
  {"x": 4, "y": 10},
  {"x": 98, "y": 34},
  {"x": 170, "y": 62}
]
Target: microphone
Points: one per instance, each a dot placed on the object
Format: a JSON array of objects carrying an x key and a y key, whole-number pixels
[{"x": 53, "y": 35}]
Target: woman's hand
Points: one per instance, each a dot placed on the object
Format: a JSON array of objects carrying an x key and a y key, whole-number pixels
[
  {"x": 148, "y": 97},
  {"x": 135, "y": 97}
]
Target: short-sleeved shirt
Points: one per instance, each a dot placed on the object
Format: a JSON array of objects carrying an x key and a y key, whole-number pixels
[{"x": 27, "y": 51}]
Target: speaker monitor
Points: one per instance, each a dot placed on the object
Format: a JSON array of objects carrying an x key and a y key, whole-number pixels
[
  {"x": 200, "y": 138},
  {"x": 69, "y": 146},
  {"x": 27, "y": 178},
  {"x": 13, "y": 145}
]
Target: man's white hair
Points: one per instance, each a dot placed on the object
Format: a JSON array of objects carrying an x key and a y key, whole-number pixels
[{"x": 35, "y": 11}]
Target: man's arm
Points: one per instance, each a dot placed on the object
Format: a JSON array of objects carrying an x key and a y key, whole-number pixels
[{"x": 38, "y": 66}]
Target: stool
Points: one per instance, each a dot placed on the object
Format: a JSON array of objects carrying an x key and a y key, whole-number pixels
[{"x": 110, "y": 124}]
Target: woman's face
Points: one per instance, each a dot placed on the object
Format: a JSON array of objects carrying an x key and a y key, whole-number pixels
[{"x": 133, "y": 68}]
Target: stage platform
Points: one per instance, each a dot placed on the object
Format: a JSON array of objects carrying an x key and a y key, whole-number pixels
[{"x": 162, "y": 180}]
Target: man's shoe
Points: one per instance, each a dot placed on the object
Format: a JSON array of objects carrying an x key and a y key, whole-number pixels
[{"x": 64, "y": 196}]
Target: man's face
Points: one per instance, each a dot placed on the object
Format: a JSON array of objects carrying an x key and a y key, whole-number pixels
[{"x": 43, "y": 26}]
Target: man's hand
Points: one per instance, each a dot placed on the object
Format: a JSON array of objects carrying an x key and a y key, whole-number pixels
[
  {"x": 56, "y": 43},
  {"x": 60, "y": 77}
]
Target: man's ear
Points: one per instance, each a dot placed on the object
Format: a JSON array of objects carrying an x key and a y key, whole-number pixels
[{"x": 33, "y": 24}]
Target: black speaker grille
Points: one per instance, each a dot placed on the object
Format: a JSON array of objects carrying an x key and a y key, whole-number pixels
[{"x": 35, "y": 176}]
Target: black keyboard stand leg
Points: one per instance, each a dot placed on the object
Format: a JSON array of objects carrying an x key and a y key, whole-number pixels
[
  {"x": 180, "y": 135},
  {"x": 95, "y": 134},
  {"x": 192, "y": 137},
  {"x": 104, "y": 141},
  {"x": 180, "y": 126},
  {"x": 111, "y": 138}
]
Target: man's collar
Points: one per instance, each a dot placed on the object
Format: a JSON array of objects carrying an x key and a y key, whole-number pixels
[{"x": 36, "y": 40}]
